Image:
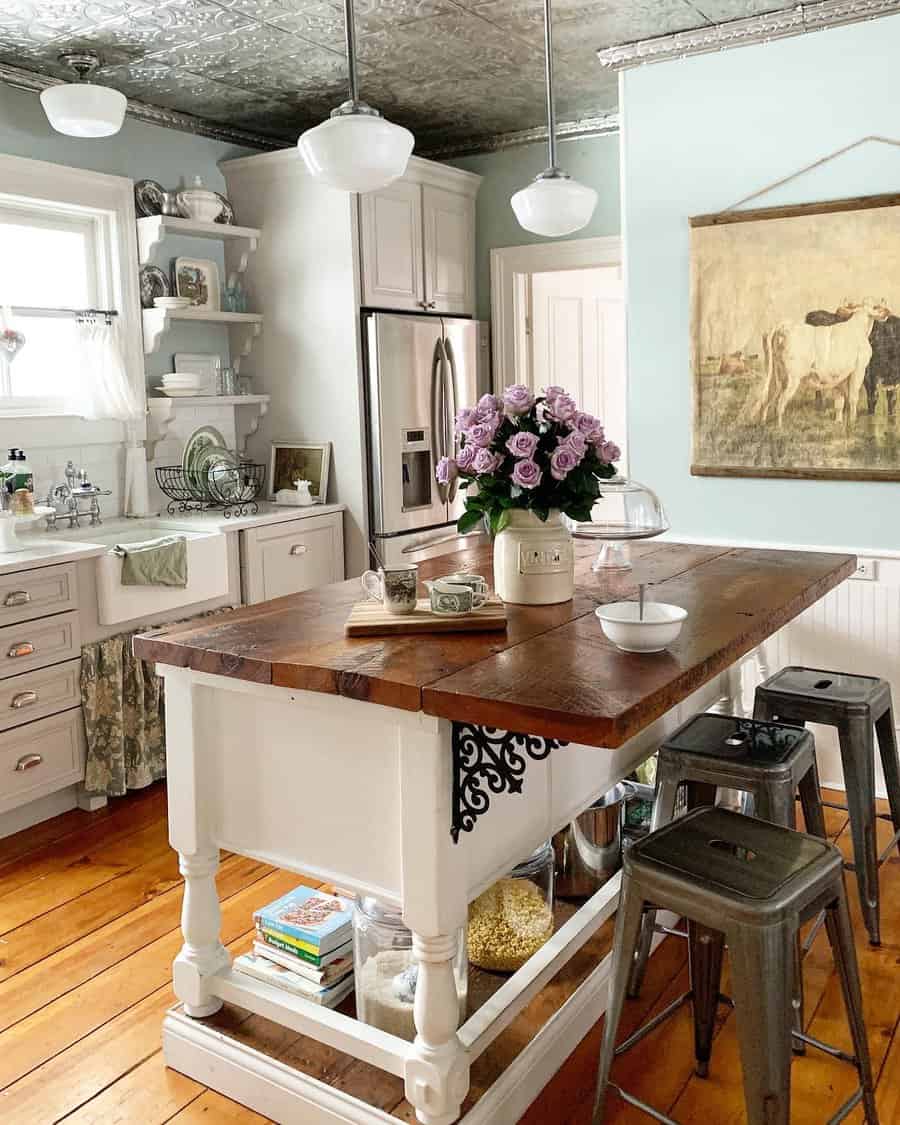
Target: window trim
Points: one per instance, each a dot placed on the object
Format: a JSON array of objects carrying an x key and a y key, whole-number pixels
[{"x": 109, "y": 201}]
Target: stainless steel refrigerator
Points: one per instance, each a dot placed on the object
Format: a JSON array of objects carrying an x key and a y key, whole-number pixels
[{"x": 419, "y": 371}]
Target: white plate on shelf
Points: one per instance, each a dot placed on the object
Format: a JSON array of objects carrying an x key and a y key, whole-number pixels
[{"x": 174, "y": 392}]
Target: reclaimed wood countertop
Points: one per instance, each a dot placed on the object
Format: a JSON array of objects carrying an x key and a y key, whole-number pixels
[{"x": 553, "y": 673}]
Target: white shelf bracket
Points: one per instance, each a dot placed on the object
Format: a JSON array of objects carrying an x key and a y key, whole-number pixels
[
  {"x": 247, "y": 417},
  {"x": 249, "y": 247},
  {"x": 161, "y": 415},
  {"x": 245, "y": 347},
  {"x": 151, "y": 231}
]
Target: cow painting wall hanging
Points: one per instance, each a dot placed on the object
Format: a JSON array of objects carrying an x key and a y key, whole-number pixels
[{"x": 795, "y": 341}]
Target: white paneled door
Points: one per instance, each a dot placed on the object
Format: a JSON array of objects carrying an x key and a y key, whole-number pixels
[{"x": 577, "y": 331}]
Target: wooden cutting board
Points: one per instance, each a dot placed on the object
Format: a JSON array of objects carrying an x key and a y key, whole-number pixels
[{"x": 371, "y": 619}]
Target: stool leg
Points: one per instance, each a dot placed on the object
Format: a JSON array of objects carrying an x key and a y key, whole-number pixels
[
  {"x": 628, "y": 928},
  {"x": 762, "y": 971},
  {"x": 857, "y": 759},
  {"x": 840, "y": 934},
  {"x": 663, "y": 813},
  {"x": 811, "y": 802},
  {"x": 776, "y": 803},
  {"x": 763, "y": 710},
  {"x": 890, "y": 763},
  {"x": 705, "y": 953}
]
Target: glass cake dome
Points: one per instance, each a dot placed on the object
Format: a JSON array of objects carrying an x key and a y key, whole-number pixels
[{"x": 626, "y": 510}]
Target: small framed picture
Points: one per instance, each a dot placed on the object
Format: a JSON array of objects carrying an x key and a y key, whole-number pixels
[
  {"x": 198, "y": 280},
  {"x": 300, "y": 460}
]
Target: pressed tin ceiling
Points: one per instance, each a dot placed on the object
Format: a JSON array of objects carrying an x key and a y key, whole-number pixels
[{"x": 456, "y": 72}]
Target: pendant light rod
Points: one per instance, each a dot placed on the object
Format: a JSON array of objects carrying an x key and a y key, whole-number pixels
[
  {"x": 350, "y": 36},
  {"x": 548, "y": 72}
]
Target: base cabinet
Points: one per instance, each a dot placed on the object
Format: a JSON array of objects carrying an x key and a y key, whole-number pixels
[{"x": 288, "y": 558}]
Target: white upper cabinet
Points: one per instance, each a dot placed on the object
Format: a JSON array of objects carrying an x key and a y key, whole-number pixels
[
  {"x": 417, "y": 241},
  {"x": 449, "y": 222},
  {"x": 391, "y": 237}
]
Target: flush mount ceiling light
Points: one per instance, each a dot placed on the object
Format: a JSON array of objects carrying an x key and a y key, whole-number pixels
[
  {"x": 81, "y": 109},
  {"x": 553, "y": 204},
  {"x": 355, "y": 149}
]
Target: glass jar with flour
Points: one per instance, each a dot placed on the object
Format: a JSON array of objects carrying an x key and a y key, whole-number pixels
[{"x": 387, "y": 973}]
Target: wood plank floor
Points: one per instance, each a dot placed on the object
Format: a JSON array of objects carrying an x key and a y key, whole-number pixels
[{"x": 89, "y": 913}]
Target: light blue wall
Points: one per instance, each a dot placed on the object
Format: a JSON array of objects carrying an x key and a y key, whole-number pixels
[
  {"x": 594, "y": 161},
  {"x": 138, "y": 151},
  {"x": 698, "y": 135}
]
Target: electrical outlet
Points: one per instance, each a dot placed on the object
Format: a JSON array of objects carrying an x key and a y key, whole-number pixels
[{"x": 866, "y": 570}]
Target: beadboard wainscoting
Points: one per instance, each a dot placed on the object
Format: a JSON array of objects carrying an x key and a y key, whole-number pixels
[{"x": 855, "y": 628}]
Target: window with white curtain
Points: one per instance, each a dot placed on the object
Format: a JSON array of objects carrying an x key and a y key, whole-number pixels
[{"x": 56, "y": 258}]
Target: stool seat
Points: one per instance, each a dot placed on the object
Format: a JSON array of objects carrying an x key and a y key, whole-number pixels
[
  {"x": 750, "y": 884},
  {"x": 738, "y": 856},
  {"x": 844, "y": 690},
  {"x": 750, "y": 743}
]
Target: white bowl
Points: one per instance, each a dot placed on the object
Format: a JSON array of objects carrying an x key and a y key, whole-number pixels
[
  {"x": 660, "y": 626},
  {"x": 171, "y": 302}
]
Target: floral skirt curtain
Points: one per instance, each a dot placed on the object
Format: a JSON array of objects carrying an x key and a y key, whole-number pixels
[{"x": 124, "y": 717}]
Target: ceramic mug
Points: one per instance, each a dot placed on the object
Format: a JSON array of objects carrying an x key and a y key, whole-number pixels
[
  {"x": 393, "y": 586},
  {"x": 477, "y": 584},
  {"x": 450, "y": 598}
]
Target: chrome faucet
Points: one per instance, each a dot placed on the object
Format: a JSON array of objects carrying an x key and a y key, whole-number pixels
[{"x": 65, "y": 499}]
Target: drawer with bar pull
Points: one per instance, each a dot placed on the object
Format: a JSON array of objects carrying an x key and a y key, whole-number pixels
[
  {"x": 36, "y": 593},
  {"x": 35, "y": 695},
  {"x": 37, "y": 644},
  {"x": 40, "y": 758}
]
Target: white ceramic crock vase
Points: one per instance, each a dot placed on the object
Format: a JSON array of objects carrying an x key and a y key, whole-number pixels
[{"x": 534, "y": 563}]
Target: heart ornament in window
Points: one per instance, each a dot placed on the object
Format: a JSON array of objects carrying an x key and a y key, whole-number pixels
[{"x": 11, "y": 343}]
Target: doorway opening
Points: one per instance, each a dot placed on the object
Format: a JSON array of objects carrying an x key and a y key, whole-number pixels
[{"x": 558, "y": 318}]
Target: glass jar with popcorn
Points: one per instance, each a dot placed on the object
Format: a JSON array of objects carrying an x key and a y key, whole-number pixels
[{"x": 513, "y": 918}]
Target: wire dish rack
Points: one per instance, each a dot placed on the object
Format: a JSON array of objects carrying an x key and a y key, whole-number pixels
[{"x": 233, "y": 489}]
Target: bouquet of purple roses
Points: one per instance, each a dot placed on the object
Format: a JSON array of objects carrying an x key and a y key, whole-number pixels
[{"x": 538, "y": 452}]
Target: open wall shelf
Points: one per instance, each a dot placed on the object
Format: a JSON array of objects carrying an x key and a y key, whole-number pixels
[{"x": 153, "y": 229}]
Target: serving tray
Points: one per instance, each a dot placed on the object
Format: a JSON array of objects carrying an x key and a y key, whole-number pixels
[{"x": 371, "y": 619}]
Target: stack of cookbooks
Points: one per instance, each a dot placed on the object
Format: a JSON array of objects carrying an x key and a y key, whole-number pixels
[{"x": 303, "y": 945}]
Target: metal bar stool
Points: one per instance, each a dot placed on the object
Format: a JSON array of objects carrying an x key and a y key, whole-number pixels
[
  {"x": 751, "y": 884},
  {"x": 855, "y": 705},
  {"x": 771, "y": 761}
]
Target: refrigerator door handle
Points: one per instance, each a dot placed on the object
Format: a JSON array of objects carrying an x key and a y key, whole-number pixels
[
  {"x": 438, "y": 411},
  {"x": 453, "y": 408}
]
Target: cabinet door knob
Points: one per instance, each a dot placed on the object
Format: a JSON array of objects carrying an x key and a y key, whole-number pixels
[
  {"x": 17, "y": 597},
  {"x": 28, "y": 762},
  {"x": 299, "y": 549},
  {"x": 431, "y": 304},
  {"x": 23, "y": 648},
  {"x": 23, "y": 699}
]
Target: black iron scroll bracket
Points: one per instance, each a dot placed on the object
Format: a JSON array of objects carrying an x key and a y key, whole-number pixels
[{"x": 488, "y": 762}]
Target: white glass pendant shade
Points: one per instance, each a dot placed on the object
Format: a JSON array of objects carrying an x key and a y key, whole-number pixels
[
  {"x": 554, "y": 206},
  {"x": 356, "y": 151},
  {"x": 82, "y": 109}
]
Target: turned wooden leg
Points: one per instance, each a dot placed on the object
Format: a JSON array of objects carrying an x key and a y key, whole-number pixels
[
  {"x": 202, "y": 954},
  {"x": 437, "y": 1069}
]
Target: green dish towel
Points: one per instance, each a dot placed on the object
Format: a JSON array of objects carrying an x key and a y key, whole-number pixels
[{"x": 155, "y": 562}]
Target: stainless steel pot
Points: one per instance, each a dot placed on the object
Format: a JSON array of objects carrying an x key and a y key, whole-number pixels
[{"x": 589, "y": 851}]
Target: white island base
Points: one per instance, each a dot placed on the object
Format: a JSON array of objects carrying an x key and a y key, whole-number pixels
[{"x": 359, "y": 796}]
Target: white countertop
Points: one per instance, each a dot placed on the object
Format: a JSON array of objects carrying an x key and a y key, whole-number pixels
[{"x": 44, "y": 548}]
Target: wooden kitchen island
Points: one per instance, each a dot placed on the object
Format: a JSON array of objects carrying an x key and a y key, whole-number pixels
[{"x": 386, "y": 766}]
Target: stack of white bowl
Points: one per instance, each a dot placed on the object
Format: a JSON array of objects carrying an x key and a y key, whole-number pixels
[{"x": 182, "y": 384}]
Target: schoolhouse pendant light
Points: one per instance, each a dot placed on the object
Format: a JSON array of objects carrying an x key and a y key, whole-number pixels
[
  {"x": 553, "y": 203},
  {"x": 82, "y": 109},
  {"x": 355, "y": 149}
]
